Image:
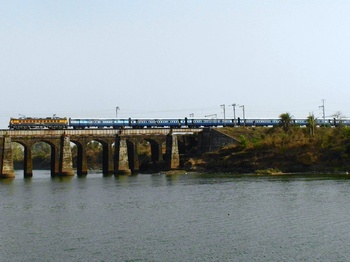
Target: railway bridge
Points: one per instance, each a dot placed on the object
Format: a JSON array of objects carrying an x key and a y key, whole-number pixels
[{"x": 120, "y": 149}]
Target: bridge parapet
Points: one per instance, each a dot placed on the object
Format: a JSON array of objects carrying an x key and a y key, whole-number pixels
[{"x": 98, "y": 132}]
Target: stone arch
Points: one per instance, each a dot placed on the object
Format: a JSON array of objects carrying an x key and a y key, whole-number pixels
[
  {"x": 95, "y": 146},
  {"x": 108, "y": 153},
  {"x": 107, "y": 149},
  {"x": 54, "y": 154},
  {"x": 28, "y": 157},
  {"x": 46, "y": 147},
  {"x": 157, "y": 150},
  {"x": 18, "y": 153}
]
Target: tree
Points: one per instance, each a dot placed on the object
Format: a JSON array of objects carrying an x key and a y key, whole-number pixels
[
  {"x": 311, "y": 123},
  {"x": 286, "y": 121},
  {"x": 338, "y": 115},
  {"x": 337, "y": 118}
]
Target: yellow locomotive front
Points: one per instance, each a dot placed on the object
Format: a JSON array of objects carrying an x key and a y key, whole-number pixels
[{"x": 27, "y": 123}]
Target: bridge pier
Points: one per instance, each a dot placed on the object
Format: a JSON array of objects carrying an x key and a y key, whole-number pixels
[
  {"x": 6, "y": 163},
  {"x": 108, "y": 162},
  {"x": 173, "y": 157},
  {"x": 133, "y": 156},
  {"x": 82, "y": 159},
  {"x": 28, "y": 163},
  {"x": 121, "y": 157},
  {"x": 65, "y": 163}
]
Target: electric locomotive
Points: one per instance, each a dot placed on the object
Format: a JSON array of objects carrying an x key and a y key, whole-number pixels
[{"x": 26, "y": 123}]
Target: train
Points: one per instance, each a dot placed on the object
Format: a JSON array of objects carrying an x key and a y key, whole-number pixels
[
  {"x": 59, "y": 123},
  {"x": 26, "y": 123}
]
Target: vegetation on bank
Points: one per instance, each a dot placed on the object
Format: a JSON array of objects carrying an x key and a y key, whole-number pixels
[{"x": 286, "y": 148}]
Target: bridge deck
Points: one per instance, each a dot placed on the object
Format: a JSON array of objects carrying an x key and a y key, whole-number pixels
[{"x": 99, "y": 132}]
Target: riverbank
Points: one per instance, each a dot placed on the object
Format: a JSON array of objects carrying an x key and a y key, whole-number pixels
[{"x": 276, "y": 151}]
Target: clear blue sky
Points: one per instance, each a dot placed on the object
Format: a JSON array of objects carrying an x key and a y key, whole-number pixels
[{"x": 172, "y": 58}]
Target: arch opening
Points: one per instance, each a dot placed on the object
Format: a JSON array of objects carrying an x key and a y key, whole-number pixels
[
  {"x": 95, "y": 156},
  {"x": 18, "y": 156},
  {"x": 29, "y": 157},
  {"x": 151, "y": 155},
  {"x": 42, "y": 156}
]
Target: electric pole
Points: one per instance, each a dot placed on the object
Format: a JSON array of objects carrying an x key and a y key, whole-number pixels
[
  {"x": 116, "y": 111},
  {"x": 234, "y": 114},
  {"x": 323, "y": 112},
  {"x": 242, "y": 106},
  {"x": 223, "y": 106}
]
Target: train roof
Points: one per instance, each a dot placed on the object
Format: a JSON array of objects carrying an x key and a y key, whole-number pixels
[{"x": 23, "y": 118}]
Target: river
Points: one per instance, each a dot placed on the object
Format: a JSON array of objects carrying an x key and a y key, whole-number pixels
[{"x": 189, "y": 217}]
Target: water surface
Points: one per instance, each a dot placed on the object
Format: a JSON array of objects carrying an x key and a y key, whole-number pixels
[{"x": 188, "y": 217}]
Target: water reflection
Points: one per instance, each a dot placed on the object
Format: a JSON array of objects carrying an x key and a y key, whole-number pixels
[
  {"x": 122, "y": 179},
  {"x": 6, "y": 181},
  {"x": 172, "y": 179},
  {"x": 62, "y": 179}
]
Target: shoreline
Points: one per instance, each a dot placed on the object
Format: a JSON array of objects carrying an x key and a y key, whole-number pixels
[{"x": 256, "y": 173}]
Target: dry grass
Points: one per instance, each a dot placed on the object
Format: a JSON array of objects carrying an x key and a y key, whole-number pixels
[{"x": 274, "y": 149}]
